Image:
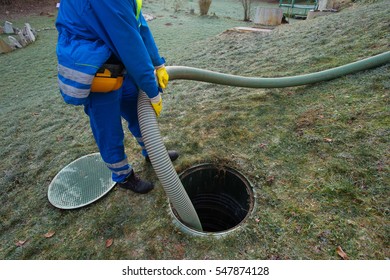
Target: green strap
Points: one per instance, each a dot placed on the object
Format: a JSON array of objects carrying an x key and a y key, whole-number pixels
[{"x": 139, "y": 6}]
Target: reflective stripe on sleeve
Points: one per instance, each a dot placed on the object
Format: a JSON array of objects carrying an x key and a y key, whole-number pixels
[
  {"x": 75, "y": 75},
  {"x": 73, "y": 91}
]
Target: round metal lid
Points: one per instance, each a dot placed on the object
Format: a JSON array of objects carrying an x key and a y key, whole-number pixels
[{"x": 80, "y": 183}]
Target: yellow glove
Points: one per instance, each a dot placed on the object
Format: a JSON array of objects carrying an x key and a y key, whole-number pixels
[
  {"x": 162, "y": 76},
  {"x": 157, "y": 104}
]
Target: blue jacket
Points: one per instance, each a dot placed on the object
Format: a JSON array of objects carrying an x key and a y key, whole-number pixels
[{"x": 89, "y": 32}]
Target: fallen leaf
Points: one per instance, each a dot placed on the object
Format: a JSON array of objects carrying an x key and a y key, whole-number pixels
[
  {"x": 109, "y": 242},
  {"x": 317, "y": 249},
  {"x": 341, "y": 253},
  {"x": 270, "y": 180},
  {"x": 328, "y": 140},
  {"x": 49, "y": 234},
  {"x": 20, "y": 243}
]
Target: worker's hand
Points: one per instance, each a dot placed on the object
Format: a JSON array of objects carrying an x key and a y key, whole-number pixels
[
  {"x": 162, "y": 76},
  {"x": 157, "y": 104}
]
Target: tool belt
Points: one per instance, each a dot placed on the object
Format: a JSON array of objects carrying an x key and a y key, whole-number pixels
[{"x": 108, "y": 78}]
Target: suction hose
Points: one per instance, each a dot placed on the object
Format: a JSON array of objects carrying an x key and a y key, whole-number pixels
[
  {"x": 163, "y": 166},
  {"x": 189, "y": 73},
  {"x": 156, "y": 148}
]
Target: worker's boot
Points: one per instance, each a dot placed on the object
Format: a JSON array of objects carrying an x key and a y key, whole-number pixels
[
  {"x": 173, "y": 155},
  {"x": 137, "y": 185}
]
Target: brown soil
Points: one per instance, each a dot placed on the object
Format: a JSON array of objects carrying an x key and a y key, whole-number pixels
[{"x": 12, "y": 9}]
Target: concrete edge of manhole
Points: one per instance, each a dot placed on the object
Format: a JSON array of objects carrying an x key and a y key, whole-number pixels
[{"x": 251, "y": 197}]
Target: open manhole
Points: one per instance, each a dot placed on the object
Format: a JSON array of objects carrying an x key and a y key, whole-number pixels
[{"x": 222, "y": 197}]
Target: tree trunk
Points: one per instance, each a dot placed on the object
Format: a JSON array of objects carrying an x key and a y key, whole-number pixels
[
  {"x": 204, "y": 6},
  {"x": 247, "y": 9}
]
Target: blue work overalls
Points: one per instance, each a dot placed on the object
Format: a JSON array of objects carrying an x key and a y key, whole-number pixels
[{"x": 90, "y": 32}]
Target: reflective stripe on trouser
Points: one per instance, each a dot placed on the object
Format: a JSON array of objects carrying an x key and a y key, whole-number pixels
[{"x": 105, "y": 111}]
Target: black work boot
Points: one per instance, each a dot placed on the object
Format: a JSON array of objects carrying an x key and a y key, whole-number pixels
[
  {"x": 173, "y": 155},
  {"x": 137, "y": 185}
]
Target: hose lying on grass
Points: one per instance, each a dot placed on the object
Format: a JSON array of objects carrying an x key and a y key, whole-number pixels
[
  {"x": 189, "y": 73},
  {"x": 156, "y": 148}
]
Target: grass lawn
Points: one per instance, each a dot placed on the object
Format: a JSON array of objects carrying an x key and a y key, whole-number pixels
[{"x": 317, "y": 155}]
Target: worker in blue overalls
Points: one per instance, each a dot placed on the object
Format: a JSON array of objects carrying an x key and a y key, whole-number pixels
[{"x": 106, "y": 55}]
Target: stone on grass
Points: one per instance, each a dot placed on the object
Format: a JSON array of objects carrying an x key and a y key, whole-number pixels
[
  {"x": 8, "y": 29},
  {"x": 14, "y": 43},
  {"x": 4, "y": 47},
  {"x": 22, "y": 39},
  {"x": 28, "y": 33}
]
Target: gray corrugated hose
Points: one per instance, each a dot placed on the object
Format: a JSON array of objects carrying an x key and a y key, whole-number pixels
[
  {"x": 195, "y": 74},
  {"x": 163, "y": 166},
  {"x": 155, "y": 146}
]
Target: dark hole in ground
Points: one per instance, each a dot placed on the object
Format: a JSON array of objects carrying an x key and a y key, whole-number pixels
[{"x": 222, "y": 197}]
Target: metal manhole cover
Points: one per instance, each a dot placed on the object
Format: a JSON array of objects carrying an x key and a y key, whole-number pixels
[{"x": 80, "y": 183}]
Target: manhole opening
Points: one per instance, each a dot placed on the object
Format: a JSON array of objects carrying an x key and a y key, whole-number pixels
[{"x": 222, "y": 197}]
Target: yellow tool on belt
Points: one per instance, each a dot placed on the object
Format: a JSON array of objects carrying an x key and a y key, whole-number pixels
[{"x": 108, "y": 78}]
